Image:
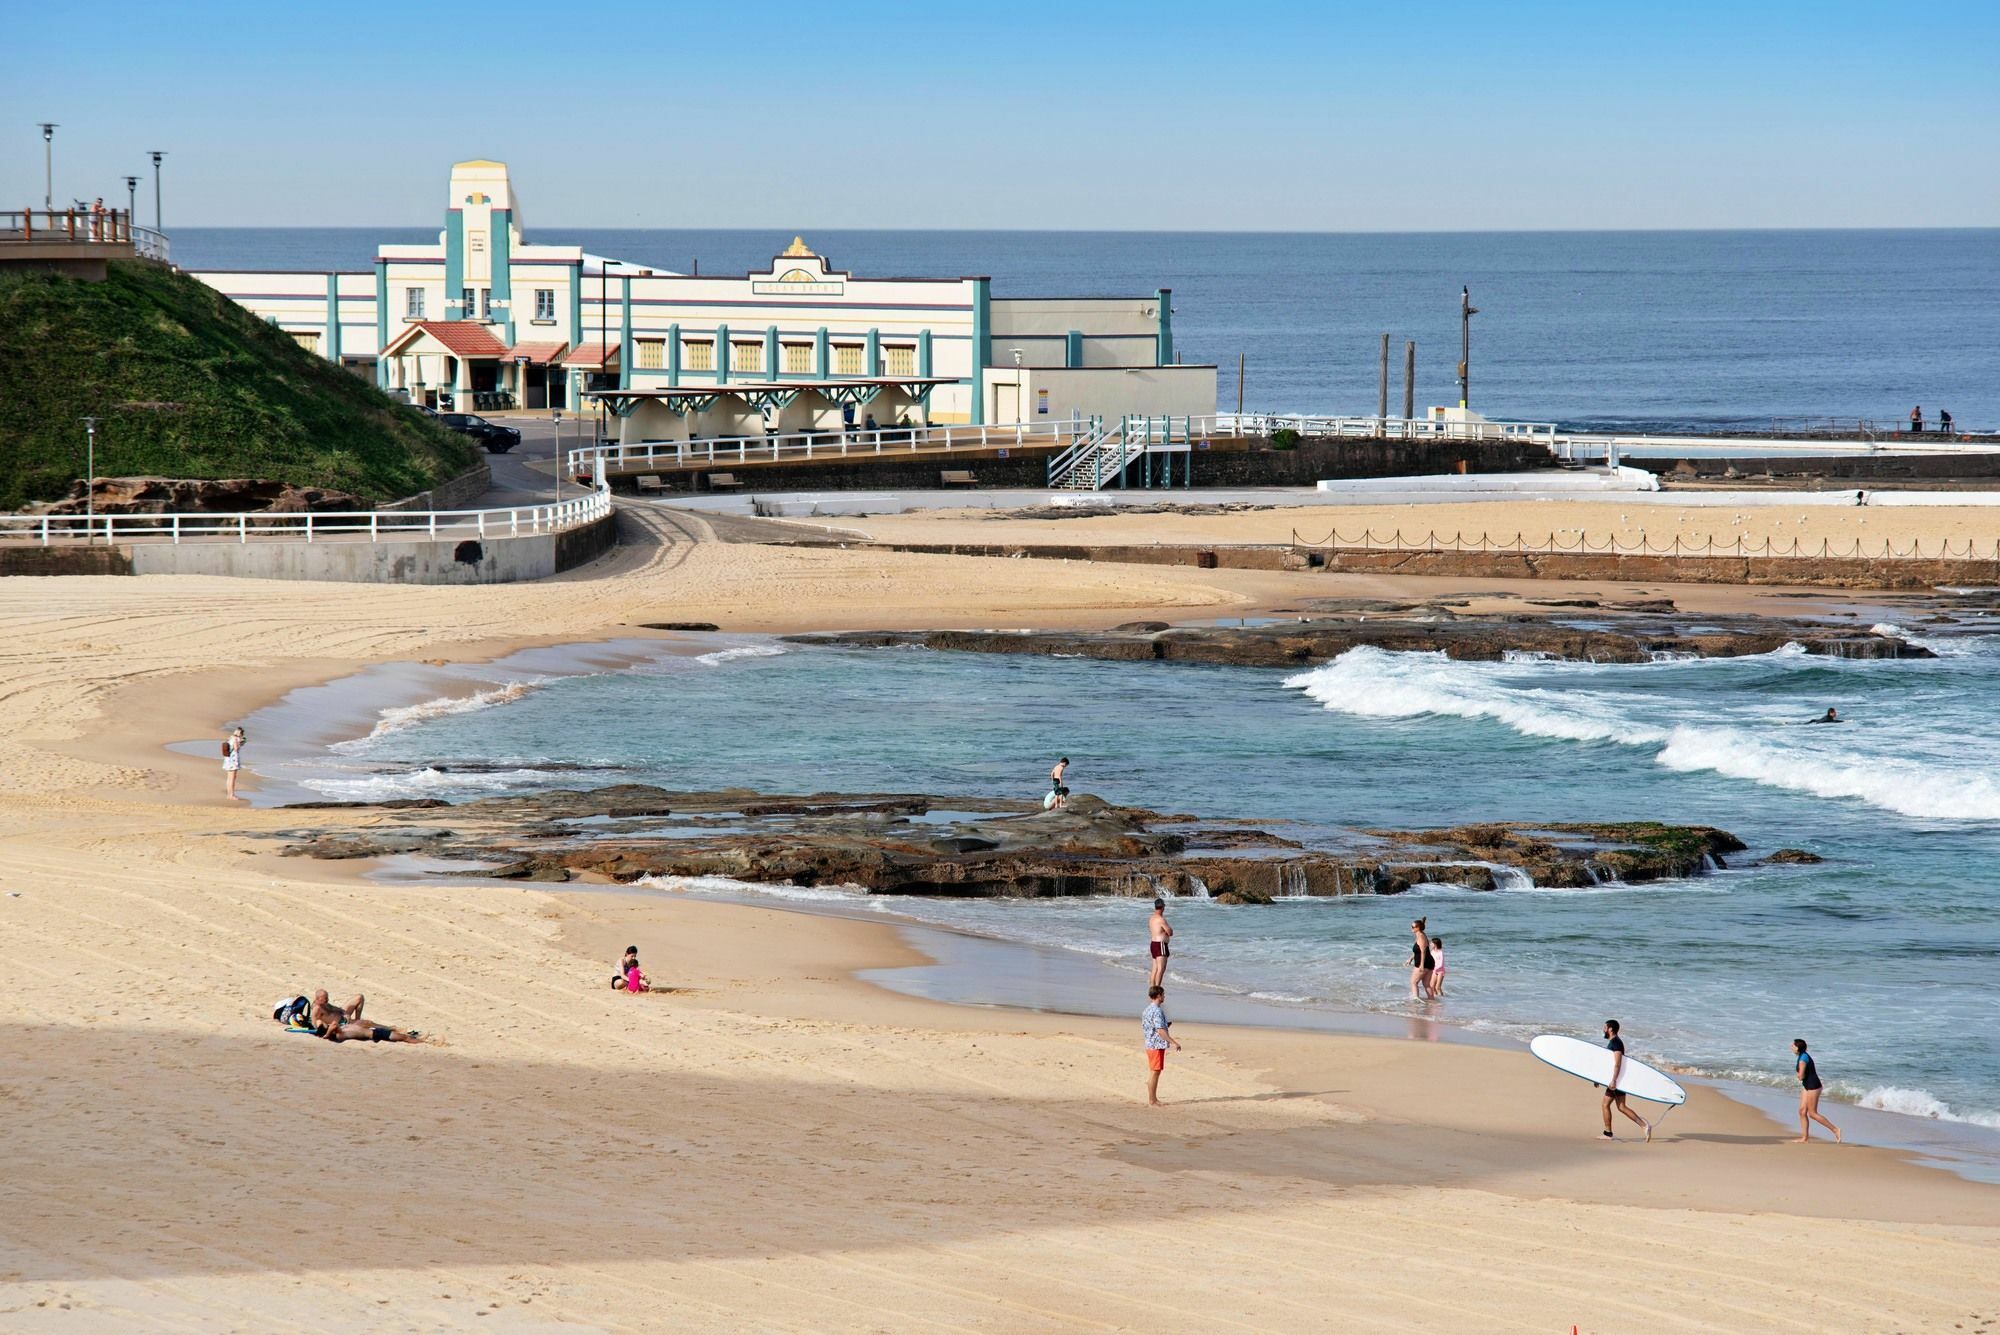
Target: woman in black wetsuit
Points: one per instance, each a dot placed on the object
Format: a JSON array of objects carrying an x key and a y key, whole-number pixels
[
  {"x": 1809, "y": 1092},
  {"x": 1421, "y": 961}
]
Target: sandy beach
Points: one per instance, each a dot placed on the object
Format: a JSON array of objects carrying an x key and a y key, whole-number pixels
[{"x": 767, "y": 1143}]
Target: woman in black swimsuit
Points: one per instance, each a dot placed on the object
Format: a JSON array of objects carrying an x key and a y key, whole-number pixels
[
  {"x": 1809, "y": 1092},
  {"x": 1421, "y": 961}
]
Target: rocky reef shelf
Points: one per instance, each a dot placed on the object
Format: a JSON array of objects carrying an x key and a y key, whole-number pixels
[{"x": 915, "y": 844}]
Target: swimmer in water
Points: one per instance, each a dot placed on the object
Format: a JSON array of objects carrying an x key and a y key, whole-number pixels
[{"x": 1831, "y": 715}]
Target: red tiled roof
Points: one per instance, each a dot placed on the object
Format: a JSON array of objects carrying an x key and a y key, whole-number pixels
[
  {"x": 588, "y": 354},
  {"x": 538, "y": 354},
  {"x": 461, "y": 338}
]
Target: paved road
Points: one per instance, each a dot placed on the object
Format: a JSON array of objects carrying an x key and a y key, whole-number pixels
[{"x": 526, "y": 473}]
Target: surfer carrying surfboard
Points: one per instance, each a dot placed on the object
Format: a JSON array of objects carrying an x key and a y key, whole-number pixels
[{"x": 1614, "y": 1096}]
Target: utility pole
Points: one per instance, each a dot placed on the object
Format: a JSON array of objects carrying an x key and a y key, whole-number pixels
[
  {"x": 1409, "y": 380},
  {"x": 157, "y": 153},
  {"x": 1239, "y": 389},
  {"x": 1382, "y": 389},
  {"x": 48, "y": 166},
  {"x": 1466, "y": 310}
]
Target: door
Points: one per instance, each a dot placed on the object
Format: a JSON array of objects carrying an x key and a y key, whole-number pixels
[{"x": 1006, "y": 403}]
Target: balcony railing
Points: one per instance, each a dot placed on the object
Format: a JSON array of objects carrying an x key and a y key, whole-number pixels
[{"x": 83, "y": 227}]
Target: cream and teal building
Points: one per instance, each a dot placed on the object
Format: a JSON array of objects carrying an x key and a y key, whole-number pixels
[{"x": 798, "y": 345}]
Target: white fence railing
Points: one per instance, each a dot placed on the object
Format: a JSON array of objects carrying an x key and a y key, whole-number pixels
[
  {"x": 714, "y": 452},
  {"x": 1390, "y": 428},
  {"x": 328, "y": 526}
]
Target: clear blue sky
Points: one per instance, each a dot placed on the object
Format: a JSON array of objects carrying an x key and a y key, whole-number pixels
[{"x": 1318, "y": 117}]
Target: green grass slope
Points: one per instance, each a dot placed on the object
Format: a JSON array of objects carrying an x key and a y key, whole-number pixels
[{"x": 189, "y": 385}]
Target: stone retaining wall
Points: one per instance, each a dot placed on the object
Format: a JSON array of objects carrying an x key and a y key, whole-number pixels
[
  {"x": 461, "y": 493},
  {"x": 1813, "y": 571},
  {"x": 1226, "y": 463}
]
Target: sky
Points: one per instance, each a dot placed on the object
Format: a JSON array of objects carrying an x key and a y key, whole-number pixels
[{"x": 1415, "y": 116}]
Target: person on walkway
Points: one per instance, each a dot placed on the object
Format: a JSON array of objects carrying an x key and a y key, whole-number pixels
[
  {"x": 1161, "y": 935},
  {"x": 1809, "y": 1092},
  {"x": 1437, "y": 966},
  {"x": 1917, "y": 420},
  {"x": 1157, "y": 1030},
  {"x": 1944, "y": 422},
  {"x": 1421, "y": 961},
  {"x": 1614, "y": 1097},
  {"x": 232, "y": 763}
]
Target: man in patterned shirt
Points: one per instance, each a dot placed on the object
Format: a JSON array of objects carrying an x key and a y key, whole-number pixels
[{"x": 1157, "y": 1028}]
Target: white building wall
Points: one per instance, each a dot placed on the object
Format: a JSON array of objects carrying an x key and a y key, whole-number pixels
[{"x": 1045, "y": 394}]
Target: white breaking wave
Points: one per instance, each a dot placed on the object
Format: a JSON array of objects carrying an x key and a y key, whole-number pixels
[
  {"x": 397, "y": 718},
  {"x": 1921, "y": 1103},
  {"x": 428, "y": 782},
  {"x": 1375, "y": 683},
  {"x": 741, "y": 651},
  {"x": 728, "y": 885},
  {"x": 1944, "y": 646},
  {"x": 1906, "y": 788}
]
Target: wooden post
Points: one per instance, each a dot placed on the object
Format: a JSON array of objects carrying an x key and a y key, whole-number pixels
[
  {"x": 1382, "y": 388},
  {"x": 1239, "y": 389},
  {"x": 1409, "y": 379}
]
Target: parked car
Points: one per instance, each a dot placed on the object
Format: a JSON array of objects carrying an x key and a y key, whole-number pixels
[{"x": 496, "y": 438}]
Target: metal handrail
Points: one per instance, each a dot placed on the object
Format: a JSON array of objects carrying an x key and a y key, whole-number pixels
[
  {"x": 1612, "y": 544},
  {"x": 714, "y": 451},
  {"x": 308, "y": 526},
  {"x": 73, "y": 226}
]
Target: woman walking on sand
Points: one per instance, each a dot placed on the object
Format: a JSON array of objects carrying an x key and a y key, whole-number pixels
[
  {"x": 232, "y": 762},
  {"x": 1810, "y": 1089}
]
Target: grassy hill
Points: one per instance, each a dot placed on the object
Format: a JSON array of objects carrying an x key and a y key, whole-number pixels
[{"x": 189, "y": 385}]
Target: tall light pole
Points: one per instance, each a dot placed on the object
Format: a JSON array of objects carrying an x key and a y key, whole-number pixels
[
  {"x": 48, "y": 166},
  {"x": 90, "y": 476},
  {"x": 559, "y": 455},
  {"x": 157, "y": 153},
  {"x": 1466, "y": 310},
  {"x": 131, "y": 204}
]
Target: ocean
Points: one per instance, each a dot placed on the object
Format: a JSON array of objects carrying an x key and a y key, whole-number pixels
[
  {"x": 1636, "y": 330},
  {"x": 1883, "y": 956}
]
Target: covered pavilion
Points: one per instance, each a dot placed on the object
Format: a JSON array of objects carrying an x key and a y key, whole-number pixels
[{"x": 779, "y": 407}]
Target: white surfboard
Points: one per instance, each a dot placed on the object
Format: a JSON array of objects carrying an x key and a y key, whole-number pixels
[{"x": 1592, "y": 1062}]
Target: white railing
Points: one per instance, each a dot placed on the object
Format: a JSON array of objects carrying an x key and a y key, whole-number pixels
[
  {"x": 648, "y": 456},
  {"x": 327, "y": 526},
  {"x": 1390, "y": 428}
]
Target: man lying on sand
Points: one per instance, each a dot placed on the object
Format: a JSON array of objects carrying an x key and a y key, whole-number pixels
[{"x": 319, "y": 1016}]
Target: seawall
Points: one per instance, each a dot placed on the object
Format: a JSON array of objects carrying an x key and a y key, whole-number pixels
[
  {"x": 492, "y": 560},
  {"x": 1225, "y": 463}
]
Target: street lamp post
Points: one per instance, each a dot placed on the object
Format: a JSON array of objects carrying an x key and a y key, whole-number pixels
[
  {"x": 557, "y": 414},
  {"x": 90, "y": 477},
  {"x": 48, "y": 166},
  {"x": 131, "y": 204},
  {"x": 157, "y": 153},
  {"x": 1466, "y": 310}
]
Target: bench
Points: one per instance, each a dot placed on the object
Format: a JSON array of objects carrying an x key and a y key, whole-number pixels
[
  {"x": 722, "y": 481},
  {"x": 649, "y": 482},
  {"x": 957, "y": 477}
]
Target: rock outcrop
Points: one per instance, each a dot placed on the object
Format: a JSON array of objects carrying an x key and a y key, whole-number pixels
[
  {"x": 1307, "y": 641},
  {"x": 992, "y": 848},
  {"x": 168, "y": 495}
]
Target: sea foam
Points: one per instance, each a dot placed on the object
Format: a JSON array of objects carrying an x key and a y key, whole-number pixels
[
  {"x": 1922, "y": 1103},
  {"x": 1366, "y": 682},
  {"x": 399, "y": 717}
]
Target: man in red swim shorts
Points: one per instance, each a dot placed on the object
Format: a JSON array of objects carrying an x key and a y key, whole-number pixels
[{"x": 1162, "y": 933}]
